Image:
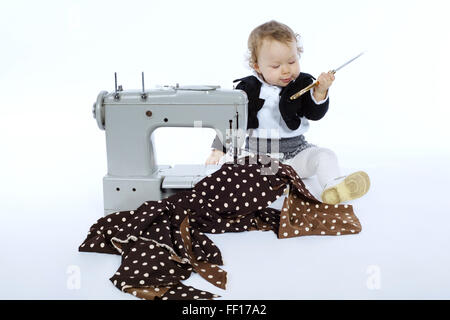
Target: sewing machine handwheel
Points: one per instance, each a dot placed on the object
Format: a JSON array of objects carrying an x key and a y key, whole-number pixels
[{"x": 98, "y": 110}]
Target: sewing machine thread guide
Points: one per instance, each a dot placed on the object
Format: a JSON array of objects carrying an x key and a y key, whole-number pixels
[
  {"x": 116, "y": 94},
  {"x": 143, "y": 94}
]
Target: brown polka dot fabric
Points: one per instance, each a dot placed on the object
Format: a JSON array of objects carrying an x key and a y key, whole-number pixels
[{"x": 163, "y": 242}]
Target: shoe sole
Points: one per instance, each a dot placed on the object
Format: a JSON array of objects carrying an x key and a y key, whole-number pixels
[{"x": 354, "y": 186}]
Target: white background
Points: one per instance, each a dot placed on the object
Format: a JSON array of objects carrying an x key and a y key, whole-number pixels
[{"x": 388, "y": 116}]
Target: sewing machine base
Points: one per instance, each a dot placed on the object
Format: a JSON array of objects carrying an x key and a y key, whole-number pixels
[
  {"x": 123, "y": 194},
  {"x": 128, "y": 193}
]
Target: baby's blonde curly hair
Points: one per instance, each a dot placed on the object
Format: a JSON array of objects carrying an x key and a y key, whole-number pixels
[{"x": 272, "y": 30}]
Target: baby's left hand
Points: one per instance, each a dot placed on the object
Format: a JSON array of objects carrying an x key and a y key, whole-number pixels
[{"x": 325, "y": 81}]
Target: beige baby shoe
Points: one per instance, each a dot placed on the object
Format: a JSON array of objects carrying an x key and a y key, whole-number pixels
[{"x": 346, "y": 188}]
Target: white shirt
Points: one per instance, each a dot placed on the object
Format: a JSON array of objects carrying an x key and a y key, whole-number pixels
[{"x": 271, "y": 124}]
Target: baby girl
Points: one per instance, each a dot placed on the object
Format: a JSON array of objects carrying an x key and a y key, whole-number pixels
[{"x": 274, "y": 59}]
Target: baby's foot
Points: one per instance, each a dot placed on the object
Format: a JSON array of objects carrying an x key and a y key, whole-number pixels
[{"x": 346, "y": 188}]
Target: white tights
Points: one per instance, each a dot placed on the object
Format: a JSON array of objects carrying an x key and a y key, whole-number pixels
[{"x": 315, "y": 160}]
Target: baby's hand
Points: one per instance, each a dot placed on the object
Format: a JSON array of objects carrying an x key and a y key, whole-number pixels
[
  {"x": 214, "y": 157},
  {"x": 325, "y": 81}
]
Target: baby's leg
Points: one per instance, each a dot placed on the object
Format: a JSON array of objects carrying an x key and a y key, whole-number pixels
[
  {"x": 336, "y": 188},
  {"x": 315, "y": 160}
]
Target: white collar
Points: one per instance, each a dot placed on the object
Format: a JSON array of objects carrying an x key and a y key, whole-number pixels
[
  {"x": 264, "y": 82},
  {"x": 258, "y": 77}
]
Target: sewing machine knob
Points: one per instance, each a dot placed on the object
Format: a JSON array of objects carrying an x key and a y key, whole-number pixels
[{"x": 98, "y": 110}]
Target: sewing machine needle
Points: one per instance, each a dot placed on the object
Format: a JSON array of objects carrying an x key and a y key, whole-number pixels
[{"x": 312, "y": 85}]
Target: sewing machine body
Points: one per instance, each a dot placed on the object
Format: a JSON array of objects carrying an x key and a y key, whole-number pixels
[{"x": 130, "y": 117}]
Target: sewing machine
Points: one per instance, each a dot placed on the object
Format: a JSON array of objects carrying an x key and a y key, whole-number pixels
[{"x": 129, "y": 117}]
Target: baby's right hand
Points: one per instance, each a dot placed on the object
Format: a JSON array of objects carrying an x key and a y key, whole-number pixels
[{"x": 214, "y": 157}]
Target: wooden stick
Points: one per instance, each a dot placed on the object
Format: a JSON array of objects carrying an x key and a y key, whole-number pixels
[
  {"x": 312, "y": 85},
  {"x": 303, "y": 91}
]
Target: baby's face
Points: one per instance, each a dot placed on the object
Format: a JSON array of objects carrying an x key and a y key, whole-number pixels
[{"x": 278, "y": 62}]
